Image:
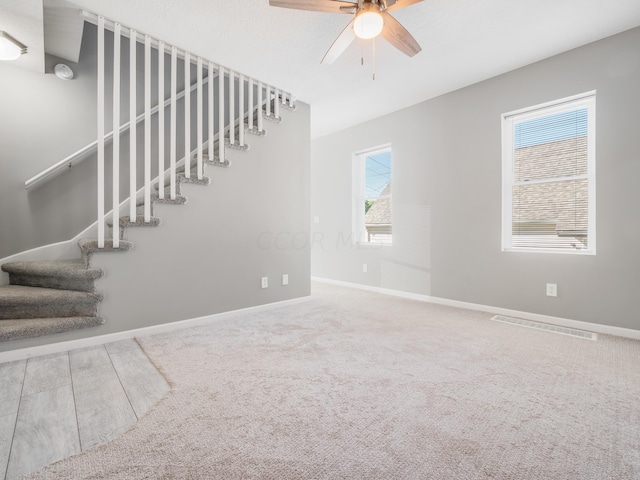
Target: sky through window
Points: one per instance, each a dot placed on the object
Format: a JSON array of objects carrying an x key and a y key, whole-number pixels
[{"x": 377, "y": 173}]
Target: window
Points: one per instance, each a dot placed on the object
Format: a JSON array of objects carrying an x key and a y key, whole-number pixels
[
  {"x": 548, "y": 198},
  {"x": 372, "y": 196}
]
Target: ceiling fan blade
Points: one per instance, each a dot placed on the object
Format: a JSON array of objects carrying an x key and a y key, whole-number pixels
[
  {"x": 398, "y": 36},
  {"x": 353, "y": 9},
  {"x": 331, "y": 6},
  {"x": 397, "y": 4},
  {"x": 340, "y": 44},
  {"x": 388, "y": 3}
]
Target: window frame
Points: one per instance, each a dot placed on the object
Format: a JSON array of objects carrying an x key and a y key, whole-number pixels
[
  {"x": 584, "y": 100},
  {"x": 358, "y": 195}
]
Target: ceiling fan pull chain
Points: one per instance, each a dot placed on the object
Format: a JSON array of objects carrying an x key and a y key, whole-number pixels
[
  {"x": 373, "y": 60},
  {"x": 362, "y": 52}
]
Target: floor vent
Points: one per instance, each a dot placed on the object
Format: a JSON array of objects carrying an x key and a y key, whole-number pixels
[{"x": 545, "y": 326}]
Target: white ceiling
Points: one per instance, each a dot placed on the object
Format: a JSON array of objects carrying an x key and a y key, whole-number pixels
[{"x": 463, "y": 42}]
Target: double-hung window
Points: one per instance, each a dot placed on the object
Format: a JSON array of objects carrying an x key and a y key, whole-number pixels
[
  {"x": 372, "y": 196},
  {"x": 548, "y": 199}
]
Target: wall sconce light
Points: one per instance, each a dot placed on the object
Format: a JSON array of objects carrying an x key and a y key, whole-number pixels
[{"x": 10, "y": 48}]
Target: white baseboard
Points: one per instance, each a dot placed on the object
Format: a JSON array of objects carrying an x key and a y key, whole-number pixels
[
  {"x": 29, "y": 352},
  {"x": 536, "y": 317}
]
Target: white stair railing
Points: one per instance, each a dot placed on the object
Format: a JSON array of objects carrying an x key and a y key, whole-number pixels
[
  {"x": 85, "y": 152},
  {"x": 228, "y": 114}
]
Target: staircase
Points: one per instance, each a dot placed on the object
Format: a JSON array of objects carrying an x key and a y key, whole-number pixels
[{"x": 57, "y": 296}]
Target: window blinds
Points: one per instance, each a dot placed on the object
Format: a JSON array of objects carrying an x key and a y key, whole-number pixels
[{"x": 550, "y": 178}]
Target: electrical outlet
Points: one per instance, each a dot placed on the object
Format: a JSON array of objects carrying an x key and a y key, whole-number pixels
[
  {"x": 265, "y": 282},
  {"x": 285, "y": 279},
  {"x": 552, "y": 290},
  {"x": 364, "y": 268}
]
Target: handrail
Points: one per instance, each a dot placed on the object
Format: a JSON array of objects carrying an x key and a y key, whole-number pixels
[{"x": 82, "y": 154}]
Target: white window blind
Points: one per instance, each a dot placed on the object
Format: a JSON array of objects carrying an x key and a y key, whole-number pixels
[{"x": 549, "y": 177}]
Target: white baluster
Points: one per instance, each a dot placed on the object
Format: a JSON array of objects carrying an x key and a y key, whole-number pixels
[
  {"x": 115, "y": 184},
  {"x": 250, "y": 109},
  {"x": 268, "y": 100},
  {"x": 187, "y": 114},
  {"x": 172, "y": 136},
  {"x": 199, "y": 119},
  {"x": 241, "y": 110},
  {"x": 260, "y": 107},
  {"x": 133, "y": 142},
  {"x": 232, "y": 108},
  {"x": 100, "y": 132},
  {"x": 210, "y": 111},
  {"x": 147, "y": 128},
  {"x": 221, "y": 114},
  {"x": 161, "y": 119},
  {"x": 276, "y": 104}
]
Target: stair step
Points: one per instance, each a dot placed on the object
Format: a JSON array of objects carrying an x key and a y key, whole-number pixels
[
  {"x": 15, "y": 329},
  {"x": 139, "y": 222},
  {"x": 167, "y": 200},
  {"x": 236, "y": 145},
  {"x": 196, "y": 181},
  {"x": 216, "y": 159},
  {"x": 56, "y": 274},
  {"x": 254, "y": 131},
  {"x": 271, "y": 117},
  {"x": 167, "y": 190},
  {"x": 182, "y": 179},
  {"x": 18, "y": 301},
  {"x": 90, "y": 245},
  {"x": 180, "y": 171}
]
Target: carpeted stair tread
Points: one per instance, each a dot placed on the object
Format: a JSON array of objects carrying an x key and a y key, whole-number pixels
[
  {"x": 193, "y": 180},
  {"x": 167, "y": 200},
  {"x": 216, "y": 159},
  {"x": 90, "y": 245},
  {"x": 57, "y": 274},
  {"x": 125, "y": 221},
  {"x": 14, "y": 329},
  {"x": 18, "y": 301}
]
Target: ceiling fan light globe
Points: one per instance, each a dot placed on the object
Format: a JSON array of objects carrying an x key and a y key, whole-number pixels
[{"x": 368, "y": 23}]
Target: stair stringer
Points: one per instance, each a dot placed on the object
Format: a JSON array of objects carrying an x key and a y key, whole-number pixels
[{"x": 208, "y": 255}]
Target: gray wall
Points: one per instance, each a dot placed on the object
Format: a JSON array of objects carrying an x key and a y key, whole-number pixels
[
  {"x": 43, "y": 119},
  {"x": 447, "y": 194}
]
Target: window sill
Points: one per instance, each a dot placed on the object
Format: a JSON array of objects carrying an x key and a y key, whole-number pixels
[
  {"x": 549, "y": 250},
  {"x": 375, "y": 244}
]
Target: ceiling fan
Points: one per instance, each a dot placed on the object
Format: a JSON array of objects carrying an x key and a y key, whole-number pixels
[{"x": 370, "y": 18}]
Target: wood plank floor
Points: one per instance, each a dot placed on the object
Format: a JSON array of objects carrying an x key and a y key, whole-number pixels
[{"x": 55, "y": 406}]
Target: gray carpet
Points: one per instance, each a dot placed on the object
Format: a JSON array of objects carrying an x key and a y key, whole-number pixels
[{"x": 355, "y": 385}]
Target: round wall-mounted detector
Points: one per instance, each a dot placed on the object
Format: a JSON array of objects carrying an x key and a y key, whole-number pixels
[{"x": 63, "y": 71}]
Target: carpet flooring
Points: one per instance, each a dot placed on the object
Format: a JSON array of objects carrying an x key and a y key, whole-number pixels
[{"x": 357, "y": 385}]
